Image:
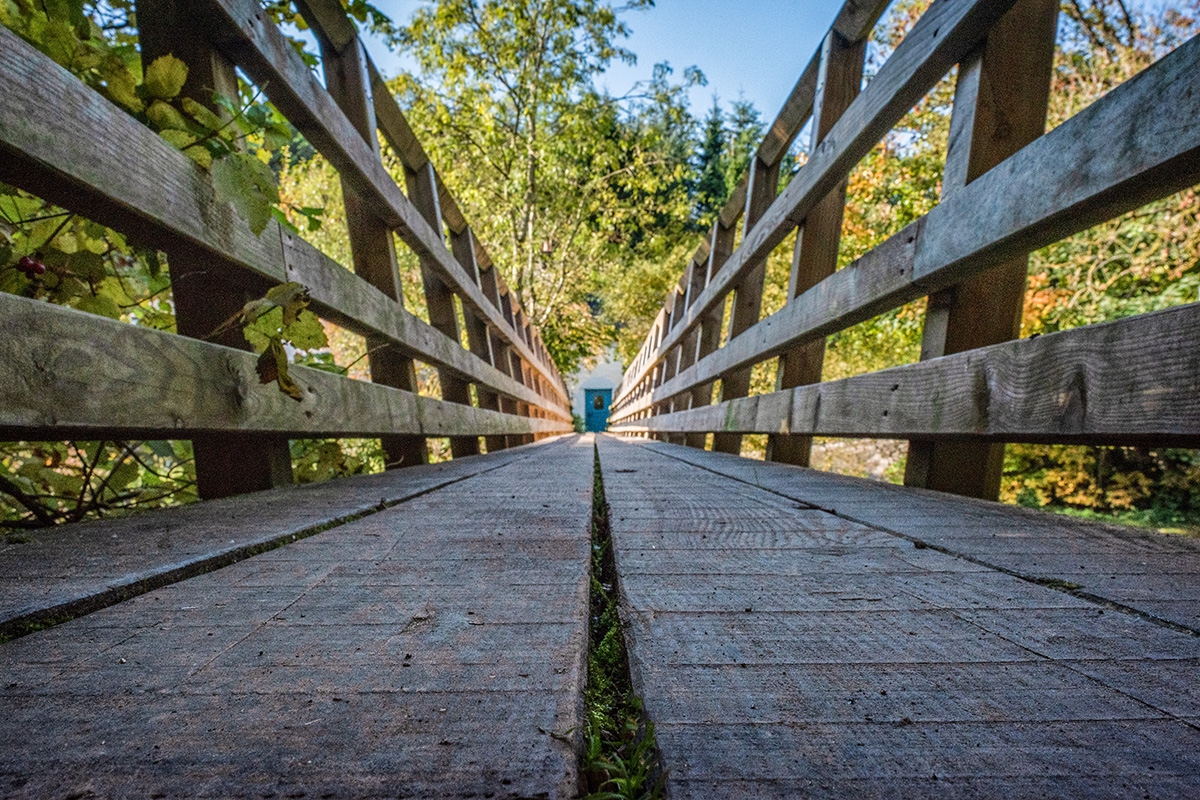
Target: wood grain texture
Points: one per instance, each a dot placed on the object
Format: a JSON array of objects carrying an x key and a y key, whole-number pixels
[
  {"x": 75, "y": 375},
  {"x": 248, "y": 38},
  {"x": 372, "y": 246},
  {"x": 1131, "y": 382},
  {"x": 203, "y": 298},
  {"x": 1108, "y": 159},
  {"x": 169, "y": 203},
  {"x": 946, "y": 32},
  {"x": 1000, "y": 105},
  {"x": 403, "y": 654},
  {"x": 818, "y": 240},
  {"x": 855, "y": 665}
]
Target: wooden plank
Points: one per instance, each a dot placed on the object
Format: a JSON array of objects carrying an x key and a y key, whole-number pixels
[
  {"x": 72, "y": 570},
  {"x": 371, "y": 245},
  {"x": 854, "y": 22},
  {"x": 1064, "y": 182},
  {"x": 1133, "y": 382},
  {"x": 478, "y": 340},
  {"x": 761, "y": 189},
  {"x": 257, "y": 46},
  {"x": 346, "y": 299},
  {"x": 76, "y": 375},
  {"x": 448, "y": 652},
  {"x": 819, "y": 238},
  {"x": 203, "y": 298},
  {"x": 709, "y": 336},
  {"x": 947, "y": 32},
  {"x": 439, "y": 299},
  {"x": 906, "y": 663},
  {"x": 987, "y": 126},
  {"x": 167, "y": 202}
]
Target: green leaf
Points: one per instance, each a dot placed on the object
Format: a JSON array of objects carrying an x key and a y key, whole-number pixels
[
  {"x": 165, "y": 116},
  {"x": 165, "y": 77},
  {"x": 306, "y": 333},
  {"x": 101, "y": 304},
  {"x": 248, "y": 185},
  {"x": 120, "y": 84},
  {"x": 87, "y": 264},
  {"x": 184, "y": 141},
  {"x": 123, "y": 475},
  {"x": 291, "y": 296},
  {"x": 264, "y": 329},
  {"x": 202, "y": 114},
  {"x": 277, "y": 135}
]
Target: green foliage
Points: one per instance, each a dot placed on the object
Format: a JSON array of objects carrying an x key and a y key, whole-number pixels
[
  {"x": 95, "y": 269},
  {"x": 566, "y": 185},
  {"x": 316, "y": 460},
  {"x": 56, "y": 482},
  {"x": 620, "y": 756}
]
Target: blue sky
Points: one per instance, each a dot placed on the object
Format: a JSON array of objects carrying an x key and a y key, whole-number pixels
[
  {"x": 753, "y": 47},
  {"x": 756, "y": 48}
]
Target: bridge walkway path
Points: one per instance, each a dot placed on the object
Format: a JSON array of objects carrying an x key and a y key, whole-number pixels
[
  {"x": 798, "y": 634},
  {"x": 431, "y": 649}
]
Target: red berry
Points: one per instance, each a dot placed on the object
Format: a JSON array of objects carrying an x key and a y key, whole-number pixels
[
  {"x": 39, "y": 268},
  {"x": 26, "y": 264}
]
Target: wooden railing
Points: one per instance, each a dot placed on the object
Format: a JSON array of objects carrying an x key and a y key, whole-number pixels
[
  {"x": 1007, "y": 191},
  {"x": 68, "y": 374}
]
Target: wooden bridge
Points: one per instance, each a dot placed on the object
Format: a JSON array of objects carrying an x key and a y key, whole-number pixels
[{"x": 423, "y": 632}]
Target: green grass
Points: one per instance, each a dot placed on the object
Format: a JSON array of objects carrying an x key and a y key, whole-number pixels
[
  {"x": 620, "y": 759},
  {"x": 1175, "y": 522}
]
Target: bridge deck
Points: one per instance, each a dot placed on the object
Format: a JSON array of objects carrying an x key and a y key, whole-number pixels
[
  {"x": 433, "y": 649},
  {"x": 792, "y": 633},
  {"x": 791, "y": 638}
]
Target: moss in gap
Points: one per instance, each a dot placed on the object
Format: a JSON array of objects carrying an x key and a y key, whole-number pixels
[{"x": 620, "y": 760}]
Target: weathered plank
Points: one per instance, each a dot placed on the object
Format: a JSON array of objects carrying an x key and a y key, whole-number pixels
[
  {"x": 818, "y": 240},
  {"x": 946, "y": 33},
  {"x": 76, "y": 375},
  {"x": 774, "y": 672},
  {"x": 987, "y": 126},
  {"x": 202, "y": 298},
  {"x": 257, "y": 46},
  {"x": 1147, "y": 572},
  {"x": 1135, "y": 381},
  {"x": 372, "y": 246},
  {"x": 76, "y": 569},
  {"x": 167, "y": 202},
  {"x": 399, "y": 654},
  {"x": 746, "y": 308},
  {"x": 1062, "y": 183}
]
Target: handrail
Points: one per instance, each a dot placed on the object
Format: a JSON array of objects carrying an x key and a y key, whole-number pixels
[
  {"x": 1001, "y": 201},
  {"x": 150, "y": 383}
]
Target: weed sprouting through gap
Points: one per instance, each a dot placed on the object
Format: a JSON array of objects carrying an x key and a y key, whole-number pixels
[{"x": 620, "y": 757}]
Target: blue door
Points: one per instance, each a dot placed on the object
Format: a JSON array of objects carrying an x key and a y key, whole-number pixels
[{"x": 596, "y": 403}]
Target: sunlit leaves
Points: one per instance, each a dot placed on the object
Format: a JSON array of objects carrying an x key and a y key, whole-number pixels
[
  {"x": 248, "y": 184},
  {"x": 165, "y": 77}
]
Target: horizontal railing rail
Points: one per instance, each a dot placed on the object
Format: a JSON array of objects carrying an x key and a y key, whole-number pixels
[
  {"x": 65, "y": 143},
  {"x": 1000, "y": 202}
]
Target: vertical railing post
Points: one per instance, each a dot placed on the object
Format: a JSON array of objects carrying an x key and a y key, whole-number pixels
[
  {"x": 439, "y": 299},
  {"x": 709, "y": 335},
  {"x": 204, "y": 298},
  {"x": 372, "y": 245},
  {"x": 839, "y": 80},
  {"x": 675, "y": 357},
  {"x": 1000, "y": 105},
  {"x": 462, "y": 244},
  {"x": 747, "y": 296}
]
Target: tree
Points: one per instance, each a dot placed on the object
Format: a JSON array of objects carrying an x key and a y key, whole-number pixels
[
  {"x": 552, "y": 173},
  {"x": 711, "y": 190}
]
